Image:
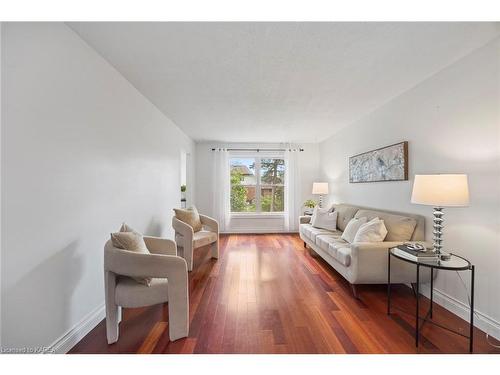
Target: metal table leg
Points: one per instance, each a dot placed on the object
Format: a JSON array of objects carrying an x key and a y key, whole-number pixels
[
  {"x": 389, "y": 283},
  {"x": 432, "y": 290},
  {"x": 471, "y": 323},
  {"x": 416, "y": 314}
]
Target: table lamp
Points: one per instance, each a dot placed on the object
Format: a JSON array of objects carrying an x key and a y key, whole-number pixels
[
  {"x": 320, "y": 188},
  {"x": 440, "y": 190}
]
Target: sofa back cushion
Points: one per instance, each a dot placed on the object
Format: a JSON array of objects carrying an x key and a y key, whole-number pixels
[
  {"x": 345, "y": 213},
  {"x": 399, "y": 228}
]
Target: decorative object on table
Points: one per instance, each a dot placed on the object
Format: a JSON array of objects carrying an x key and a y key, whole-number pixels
[
  {"x": 309, "y": 205},
  {"x": 183, "y": 196},
  {"x": 320, "y": 188},
  {"x": 453, "y": 263},
  {"x": 416, "y": 252},
  {"x": 388, "y": 163},
  {"x": 440, "y": 190}
]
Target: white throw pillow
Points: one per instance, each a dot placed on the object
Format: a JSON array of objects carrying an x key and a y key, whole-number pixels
[
  {"x": 373, "y": 231},
  {"x": 352, "y": 228},
  {"x": 325, "y": 219}
]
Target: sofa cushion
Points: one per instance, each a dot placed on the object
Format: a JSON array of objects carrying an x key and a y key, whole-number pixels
[
  {"x": 310, "y": 232},
  {"x": 399, "y": 228},
  {"x": 333, "y": 246},
  {"x": 324, "y": 240},
  {"x": 344, "y": 214}
]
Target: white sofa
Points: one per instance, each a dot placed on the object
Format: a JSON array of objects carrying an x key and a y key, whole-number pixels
[{"x": 365, "y": 262}]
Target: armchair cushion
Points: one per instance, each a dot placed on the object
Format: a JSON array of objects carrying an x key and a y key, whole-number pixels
[
  {"x": 129, "y": 293},
  {"x": 201, "y": 238},
  {"x": 131, "y": 241},
  {"x": 190, "y": 217}
]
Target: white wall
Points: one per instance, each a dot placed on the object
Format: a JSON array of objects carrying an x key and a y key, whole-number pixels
[
  {"x": 452, "y": 124},
  {"x": 82, "y": 151},
  {"x": 308, "y": 167}
]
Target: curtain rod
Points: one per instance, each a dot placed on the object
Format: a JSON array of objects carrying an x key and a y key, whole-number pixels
[{"x": 260, "y": 149}]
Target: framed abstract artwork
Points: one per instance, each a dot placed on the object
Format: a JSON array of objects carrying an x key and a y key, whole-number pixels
[{"x": 389, "y": 163}]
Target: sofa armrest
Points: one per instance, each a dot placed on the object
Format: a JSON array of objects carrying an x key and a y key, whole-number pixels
[
  {"x": 304, "y": 219},
  {"x": 158, "y": 245},
  {"x": 183, "y": 229},
  {"x": 370, "y": 263},
  {"x": 209, "y": 222}
]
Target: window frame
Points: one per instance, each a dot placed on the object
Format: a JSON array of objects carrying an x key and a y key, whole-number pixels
[{"x": 257, "y": 156}]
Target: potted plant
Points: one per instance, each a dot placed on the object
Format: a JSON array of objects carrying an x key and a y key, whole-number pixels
[{"x": 309, "y": 205}]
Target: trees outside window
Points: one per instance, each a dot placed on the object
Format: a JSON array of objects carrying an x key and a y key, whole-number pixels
[{"x": 257, "y": 184}]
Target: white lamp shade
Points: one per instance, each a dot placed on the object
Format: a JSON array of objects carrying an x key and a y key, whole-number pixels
[
  {"x": 441, "y": 190},
  {"x": 320, "y": 188}
]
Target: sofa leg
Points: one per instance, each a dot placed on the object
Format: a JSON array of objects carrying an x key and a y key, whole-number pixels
[
  {"x": 354, "y": 291},
  {"x": 305, "y": 245}
]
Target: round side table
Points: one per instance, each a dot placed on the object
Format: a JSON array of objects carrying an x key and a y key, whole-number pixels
[{"x": 455, "y": 263}]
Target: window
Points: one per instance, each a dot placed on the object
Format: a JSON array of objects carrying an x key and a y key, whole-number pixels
[{"x": 257, "y": 184}]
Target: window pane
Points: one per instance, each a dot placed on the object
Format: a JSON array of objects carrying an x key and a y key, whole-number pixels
[
  {"x": 272, "y": 199},
  {"x": 272, "y": 171},
  {"x": 243, "y": 182}
]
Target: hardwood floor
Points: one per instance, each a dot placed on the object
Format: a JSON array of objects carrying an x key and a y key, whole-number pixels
[{"x": 267, "y": 294}]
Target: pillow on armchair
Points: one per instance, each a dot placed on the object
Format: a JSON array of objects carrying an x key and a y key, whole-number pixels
[
  {"x": 190, "y": 216},
  {"x": 129, "y": 239}
]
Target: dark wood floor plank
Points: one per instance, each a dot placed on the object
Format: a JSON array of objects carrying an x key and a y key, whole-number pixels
[{"x": 268, "y": 294}]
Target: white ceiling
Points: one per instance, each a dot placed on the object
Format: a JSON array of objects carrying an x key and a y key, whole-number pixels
[{"x": 277, "y": 82}]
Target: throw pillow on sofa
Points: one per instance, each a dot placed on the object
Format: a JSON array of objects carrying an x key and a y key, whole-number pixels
[
  {"x": 352, "y": 228},
  {"x": 324, "y": 218},
  {"x": 190, "y": 216},
  {"x": 372, "y": 231}
]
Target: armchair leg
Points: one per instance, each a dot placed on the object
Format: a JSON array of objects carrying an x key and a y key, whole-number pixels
[
  {"x": 215, "y": 249},
  {"x": 112, "y": 318},
  {"x": 187, "y": 254},
  {"x": 178, "y": 308}
]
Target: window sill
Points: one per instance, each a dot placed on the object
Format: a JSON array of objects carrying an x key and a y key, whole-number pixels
[{"x": 256, "y": 215}]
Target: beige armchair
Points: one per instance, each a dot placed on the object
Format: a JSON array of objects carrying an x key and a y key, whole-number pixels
[
  {"x": 169, "y": 283},
  {"x": 187, "y": 239}
]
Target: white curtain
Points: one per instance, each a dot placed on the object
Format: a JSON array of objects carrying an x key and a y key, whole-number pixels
[
  {"x": 221, "y": 188},
  {"x": 292, "y": 189}
]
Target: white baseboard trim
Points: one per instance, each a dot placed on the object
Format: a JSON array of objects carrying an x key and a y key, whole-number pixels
[
  {"x": 481, "y": 320},
  {"x": 64, "y": 343},
  {"x": 258, "y": 231}
]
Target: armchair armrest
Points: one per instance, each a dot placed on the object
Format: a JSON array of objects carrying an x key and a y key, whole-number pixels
[
  {"x": 129, "y": 263},
  {"x": 183, "y": 229},
  {"x": 304, "y": 219},
  {"x": 211, "y": 223},
  {"x": 158, "y": 245}
]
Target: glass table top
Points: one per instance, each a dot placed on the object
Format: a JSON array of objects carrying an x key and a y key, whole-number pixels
[{"x": 454, "y": 263}]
